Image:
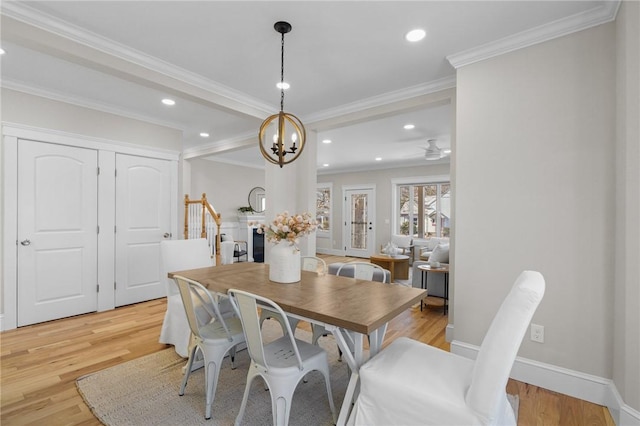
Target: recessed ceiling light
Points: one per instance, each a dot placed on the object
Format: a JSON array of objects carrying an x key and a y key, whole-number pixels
[
  {"x": 168, "y": 101},
  {"x": 325, "y": 165},
  {"x": 446, "y": 151},
  {"x": 415, "y": 35},
  {"x": 378, "y": 158},
  {"x": 326, "y": 141},
  {"x": 204, "y": 135},
  {"x": 284, "y": 85},
  {"x": 2, "y": 52},
  {"x": 409, "y": 126}
]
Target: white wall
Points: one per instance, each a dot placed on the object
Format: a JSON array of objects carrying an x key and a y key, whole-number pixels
[{"x": 536, "y": 189}]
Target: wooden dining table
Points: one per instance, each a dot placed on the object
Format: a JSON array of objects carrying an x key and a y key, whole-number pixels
[{"x": 349, "y": 308}]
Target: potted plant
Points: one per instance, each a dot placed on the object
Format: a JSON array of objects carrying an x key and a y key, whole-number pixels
[{"x": 245, "y": 210}]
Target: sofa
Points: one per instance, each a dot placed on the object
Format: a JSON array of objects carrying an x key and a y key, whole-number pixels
[{"x": 425, "y": 251}]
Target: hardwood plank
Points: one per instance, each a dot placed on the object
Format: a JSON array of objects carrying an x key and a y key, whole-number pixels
[{"x": 40, "y": 364}]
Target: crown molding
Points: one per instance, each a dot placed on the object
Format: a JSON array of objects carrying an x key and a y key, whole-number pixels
[
  {"x": 86, "y": 103},
  {"x": 561, "y": 27},
  {"x": 233, "y": 163},
  {"x": 383, "y": 99},
  {"x": 217, "y": 147},
  {"x": 46, "y": 22}
]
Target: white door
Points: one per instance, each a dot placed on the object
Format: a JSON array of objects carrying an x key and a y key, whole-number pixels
[
  {"x": 359, "y": 213},
  {"x": 143, "y": 219},
  {"x": 57, "y": 231}
]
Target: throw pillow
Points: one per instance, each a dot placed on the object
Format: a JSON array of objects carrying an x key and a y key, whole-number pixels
[{"x": 440, "y": 254}]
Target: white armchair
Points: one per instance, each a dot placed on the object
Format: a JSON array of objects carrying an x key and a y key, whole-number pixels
[{"x": 410, "y": 382}]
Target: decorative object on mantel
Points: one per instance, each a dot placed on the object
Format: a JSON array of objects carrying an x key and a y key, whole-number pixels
[
  {"x": 245, "y": 210},
  {"x": 283, "y": 232},
  {"x": 287, "y": 127}
]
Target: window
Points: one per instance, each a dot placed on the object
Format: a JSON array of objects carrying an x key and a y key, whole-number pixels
[
  {"x": 423, "y": 209},
  {"x": 323, "y": 210}
]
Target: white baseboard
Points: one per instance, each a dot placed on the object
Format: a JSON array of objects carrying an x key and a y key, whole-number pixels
[
  {"x": 576, "y": 384},
  {"x": 333, "y": 252},
  {"x": 448, "y": 333}
]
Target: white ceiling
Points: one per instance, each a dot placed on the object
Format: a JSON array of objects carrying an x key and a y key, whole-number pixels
[{"x": 220, "y": 61}]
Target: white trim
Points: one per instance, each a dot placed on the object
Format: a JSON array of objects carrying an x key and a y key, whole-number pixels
[
  {"x": 10, "y": 235},
  {"x": 448, "y": 333},
  {"x": 576, "y": 384},
  {"x": 561, "y": 27},
  {"x": 395, "y": 182},
  {"x": 87, "y": 103},
  {"x": 49, "y": 23},
  {"x": 364, "y": 187},
  {"x": 382, "y": 100},
  {"x": 107, "y": 223},
  {"x": 64, "y": 138}
]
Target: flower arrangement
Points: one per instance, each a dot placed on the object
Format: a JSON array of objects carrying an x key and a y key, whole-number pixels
[{"x": 287, "y": 227}]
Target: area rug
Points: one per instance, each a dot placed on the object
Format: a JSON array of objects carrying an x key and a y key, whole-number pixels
[{"x": 144, "y": 391}]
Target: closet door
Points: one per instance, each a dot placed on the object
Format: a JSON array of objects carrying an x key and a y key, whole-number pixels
[
  {"x": 57, "y": 231},
  {"x": 143, "y": 219}
]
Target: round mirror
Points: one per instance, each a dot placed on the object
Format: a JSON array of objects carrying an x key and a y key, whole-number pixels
[{"x": 257, "y": 199}]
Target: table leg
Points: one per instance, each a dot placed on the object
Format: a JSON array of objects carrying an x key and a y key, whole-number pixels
[
  {"x": 354, "y": 360},
  {"x": 446, "y": 294}
]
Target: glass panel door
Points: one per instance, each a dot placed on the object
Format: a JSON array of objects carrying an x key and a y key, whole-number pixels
[{"x": 359, "y": 223}]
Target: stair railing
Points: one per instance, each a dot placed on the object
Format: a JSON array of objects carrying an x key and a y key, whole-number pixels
[{"x": 202, "y": 221}]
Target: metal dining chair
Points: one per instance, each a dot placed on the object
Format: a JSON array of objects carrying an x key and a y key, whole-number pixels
[
  {"x": 213, "y": 339},
  {"x": 281, "y": 363}
]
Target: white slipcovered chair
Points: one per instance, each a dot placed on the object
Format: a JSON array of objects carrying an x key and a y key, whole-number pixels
[
  {"x": 180, "y": 255},
  {"x": 412, "y": 383},
  {"x": 281, "y": 363}
]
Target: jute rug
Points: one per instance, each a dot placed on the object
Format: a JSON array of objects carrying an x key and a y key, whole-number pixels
[{"x": 145, "y": 391}]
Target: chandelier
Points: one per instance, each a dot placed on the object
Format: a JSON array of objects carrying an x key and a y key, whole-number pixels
[{"x": 280, "y": 132}]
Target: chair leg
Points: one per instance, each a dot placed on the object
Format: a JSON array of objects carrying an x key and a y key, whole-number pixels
[
  {"x": 211, "y": 371},
  {"x": 245, "y": 397},
  {"x": 281, "y": 397},
  {"x": 187, "y": 372}
]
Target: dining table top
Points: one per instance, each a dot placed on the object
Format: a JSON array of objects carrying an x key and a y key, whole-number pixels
[{"x": 353, "y": 304}]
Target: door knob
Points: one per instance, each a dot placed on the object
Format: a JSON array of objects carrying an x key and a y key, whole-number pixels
[
  {"x": 167, "y": 235},
  {"x": 25, "y": 242}
]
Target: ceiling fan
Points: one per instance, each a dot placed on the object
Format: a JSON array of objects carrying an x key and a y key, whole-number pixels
[{"x": 433, "y": 152}]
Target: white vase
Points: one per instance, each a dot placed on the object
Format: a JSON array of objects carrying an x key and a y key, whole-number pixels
[{"x": 284, "y": 263}]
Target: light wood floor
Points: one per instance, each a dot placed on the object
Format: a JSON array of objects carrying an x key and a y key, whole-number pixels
[{"x": 40, "y": 364}]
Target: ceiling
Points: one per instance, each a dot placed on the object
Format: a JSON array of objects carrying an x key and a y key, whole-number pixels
[{"x": 354, "y": 78}]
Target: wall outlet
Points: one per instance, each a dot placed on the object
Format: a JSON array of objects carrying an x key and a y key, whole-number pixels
[{"x": 537, "y": 333}]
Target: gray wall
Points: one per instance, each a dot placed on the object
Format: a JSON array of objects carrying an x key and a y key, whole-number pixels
[
  {"x": 626, "y": 341},
  {"x": 535, "y": 189},
  {"x": 227, "y": 186},
  {"x": 382, "y": 180}
]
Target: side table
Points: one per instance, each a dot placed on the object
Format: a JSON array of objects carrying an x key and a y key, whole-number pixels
[
  {"x": 398, "y": 265},
  {"x": 442, "y": 269}
]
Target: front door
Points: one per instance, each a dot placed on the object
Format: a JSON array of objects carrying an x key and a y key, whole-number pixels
[
  {"x": 359, "y": 232},
  {"x": 57, "y": 231},
  {"x": 143, "y": 219}
]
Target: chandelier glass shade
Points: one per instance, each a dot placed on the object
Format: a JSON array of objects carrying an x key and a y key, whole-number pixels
[{"x": 282, "y": 136}]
